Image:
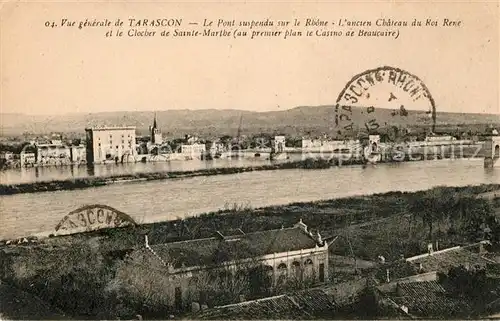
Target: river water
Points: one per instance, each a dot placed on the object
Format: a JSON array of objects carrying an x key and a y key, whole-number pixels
[
  {"x": 39, "y": 213},
  {"x": 49, "y": 173}
]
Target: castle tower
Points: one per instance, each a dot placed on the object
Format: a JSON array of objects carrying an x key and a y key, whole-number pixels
[
  {"x": 156, "y": 137},
  {"x": 492, "y": 150}
]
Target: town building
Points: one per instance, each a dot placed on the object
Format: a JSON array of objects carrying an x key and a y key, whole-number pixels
[
  {"x": 53, "y": 153},
  {"x": 110, "y": 144},
  {"x": 78, "y": 154},
  {"x": 191, "y": 139},
  {"x": 8, "y": 156},
  {"x": 217, "y": 148},
  {"x": 279, "y": 144},
  {"x": 193, "y": 151},
  {"x": 318, "y": 145},
  {"x": 27, "y": 158},
  {"x": 439, "y": 140},
  {"x": 184, "y": 272}
]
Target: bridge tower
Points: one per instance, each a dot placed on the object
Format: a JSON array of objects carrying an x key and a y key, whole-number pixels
[
  {"x": 374, "y": 143},
  {"x": 371, "y": 151},
  {"x": 492, "y": 150}
]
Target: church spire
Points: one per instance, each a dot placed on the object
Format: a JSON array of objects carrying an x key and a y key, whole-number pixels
[{"x": 154, "y": 122}]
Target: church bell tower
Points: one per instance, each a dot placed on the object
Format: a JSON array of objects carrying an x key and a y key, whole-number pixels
[{"x": 156, "y": 137}]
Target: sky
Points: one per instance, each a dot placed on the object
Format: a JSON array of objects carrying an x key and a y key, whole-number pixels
[{"x": 65, "y": 70}]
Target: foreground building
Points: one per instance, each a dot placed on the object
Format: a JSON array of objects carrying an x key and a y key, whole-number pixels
[
  {"x": 110, "y": 144},
  {"x": 422, "y": 293},
  {"x": 203, "y": 271}
]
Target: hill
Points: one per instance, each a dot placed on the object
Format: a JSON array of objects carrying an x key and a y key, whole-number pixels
[{"x": 210, "y": 122}]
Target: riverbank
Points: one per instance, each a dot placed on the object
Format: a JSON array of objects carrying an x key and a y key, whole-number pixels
[
  {"x": 74, "y": 268},
  {"x": 89, "y": 182},
  {"x": 81, "y": 183}
]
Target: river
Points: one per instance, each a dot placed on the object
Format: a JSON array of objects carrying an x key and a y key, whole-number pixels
[
  {"x": 50, "y": 173},
  {"x": 39, "y": 213}
]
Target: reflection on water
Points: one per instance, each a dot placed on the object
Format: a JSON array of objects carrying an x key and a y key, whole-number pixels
[
  {"x": 48, "y": 173},
  {"x": 150, "y": 201}
]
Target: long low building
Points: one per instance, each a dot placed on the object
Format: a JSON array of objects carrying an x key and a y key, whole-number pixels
[{"x": 259, "y": 262}]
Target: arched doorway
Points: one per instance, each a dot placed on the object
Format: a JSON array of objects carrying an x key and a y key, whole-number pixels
[{"x": 496, "y": 153}]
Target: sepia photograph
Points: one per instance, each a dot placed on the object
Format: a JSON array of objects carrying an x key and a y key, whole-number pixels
[{"x": 250, "y": 160}]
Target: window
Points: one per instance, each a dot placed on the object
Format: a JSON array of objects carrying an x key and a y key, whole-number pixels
[
  {"x": 282, "y": 269},
  {"x": 296, "y": 269},
  {"x": 322, "y": 272},
  {"x": 309, "y": 269},
  {"x": 178, "y": 298}
]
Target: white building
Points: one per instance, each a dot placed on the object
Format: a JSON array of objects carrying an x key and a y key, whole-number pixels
[
  {"x": 439, "y": 140},
  {"x": 78, "y": 154},
  {"x": 27, "y": 158},
  {"x": 279, "y": 143},
  {"x": 53, "y": 153},
  {"x": 320, "y": 145},
  {"x": 217, "y": 148},
  {"x": 193, "y": 150},
  {"x": 7, "y": 155},
  {"x": 110, "y": 144}
]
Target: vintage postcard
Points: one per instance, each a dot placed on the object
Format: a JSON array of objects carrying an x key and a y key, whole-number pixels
[{"x": 249, "y": 160}]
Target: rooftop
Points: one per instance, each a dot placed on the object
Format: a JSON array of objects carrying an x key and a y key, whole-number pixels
[
  {"x": 429, "y": 299},
  {"x": 442, "y": 261},
  {"x": 218, "y": 249},
  {"x": 307, "y": 304},
  {"x": 97, "y": 128}
]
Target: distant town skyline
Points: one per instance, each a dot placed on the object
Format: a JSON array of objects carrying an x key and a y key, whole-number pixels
[{"x": 67, "y": 70}]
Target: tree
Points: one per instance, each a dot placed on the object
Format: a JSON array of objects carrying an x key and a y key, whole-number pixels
[
  {"x": 434, "y": 206},
  {"x": 471, "y": 283}
]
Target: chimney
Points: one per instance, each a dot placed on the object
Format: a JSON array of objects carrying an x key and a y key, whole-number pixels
[
  {"x": 482, "y": 250},
  {"x": 301, "y": 225},
  {"x": 319, "y": 239}
]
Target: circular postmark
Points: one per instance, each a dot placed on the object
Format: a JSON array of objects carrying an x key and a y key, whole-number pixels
[{"x": 374, "y": 98}]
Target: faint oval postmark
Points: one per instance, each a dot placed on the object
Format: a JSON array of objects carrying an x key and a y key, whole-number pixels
[{"x": 373, "y": 98}]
